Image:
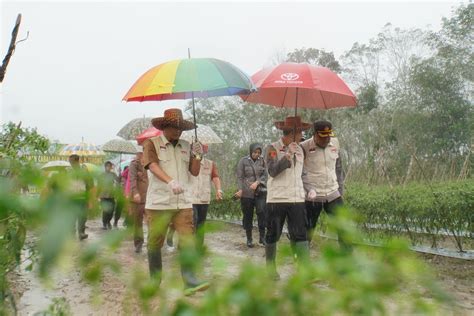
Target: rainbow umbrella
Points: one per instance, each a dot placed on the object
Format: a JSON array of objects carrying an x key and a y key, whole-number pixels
[{"x": 190, "y": 78}]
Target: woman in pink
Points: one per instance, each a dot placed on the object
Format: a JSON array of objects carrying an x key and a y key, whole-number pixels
[{"x": 126, "y": 182}]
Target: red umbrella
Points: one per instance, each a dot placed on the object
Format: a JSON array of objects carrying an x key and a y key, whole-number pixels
[
  {"x": 148, "y": 133},
  {"x": 300, "y": 85}
]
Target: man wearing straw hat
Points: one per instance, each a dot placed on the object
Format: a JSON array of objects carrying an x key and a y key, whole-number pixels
[
  {"x": 171, "y": 162},
  {"x": 285, "y": 192}
]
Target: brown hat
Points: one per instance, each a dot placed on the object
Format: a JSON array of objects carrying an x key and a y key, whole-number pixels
[
  {"x": 173, "y": 118},
  {"x": 292, "y": 122}
]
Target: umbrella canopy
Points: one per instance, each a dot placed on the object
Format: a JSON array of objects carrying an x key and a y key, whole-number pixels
[
  {"x": 148, "y": 133},
  {"x": 189, "y": 78},
  {"x": 205, "y": 135},
  {"x": 133, "y": 128},
  {"x": 300, "y": 85},
  {"x": 55, "y": 165},
  {"x": 81, "y": 149},
  {"x": 119, "y": 146}
]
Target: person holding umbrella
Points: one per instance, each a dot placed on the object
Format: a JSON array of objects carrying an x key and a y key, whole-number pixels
[
  {"x": 285, "y": 191},
  {"x": 324, "y": 178},
  {"x": 171, "y": 162}
]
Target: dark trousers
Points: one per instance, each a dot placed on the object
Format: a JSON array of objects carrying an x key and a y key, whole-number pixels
[
  {"x": 81, "y": 216},
  {"x": 199, "y": 219},
  {"x": 248, "y": 205},
  {"x": 313, "y": 210},
  {"x": 109, "y": 211},
  {"x": 294, "y": 213},
  {"x": 138, "y": 209}
]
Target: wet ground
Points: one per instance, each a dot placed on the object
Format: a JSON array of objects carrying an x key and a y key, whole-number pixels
[{"x": 114, "y": 297}]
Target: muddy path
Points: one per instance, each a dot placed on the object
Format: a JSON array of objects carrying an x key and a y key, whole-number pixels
[{"x": 226, "y": 245}]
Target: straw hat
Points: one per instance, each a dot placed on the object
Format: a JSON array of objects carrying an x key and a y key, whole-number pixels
[{"x": 173, "y": 118}]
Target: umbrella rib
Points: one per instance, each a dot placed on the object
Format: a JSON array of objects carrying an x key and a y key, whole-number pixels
[
  {"x": 284, "y": 97},
  {"x": 324, "y": 102}
]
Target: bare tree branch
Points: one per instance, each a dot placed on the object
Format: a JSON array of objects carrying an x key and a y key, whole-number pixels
[{"x": 11, "y": 48}]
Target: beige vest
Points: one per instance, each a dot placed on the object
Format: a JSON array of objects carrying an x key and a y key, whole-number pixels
[
  {"x": 174, "y": 161},
  {"x": 286, "y": 187},
  {"x": 202, "y": 183},
  {"x": 320, "y": 167}
]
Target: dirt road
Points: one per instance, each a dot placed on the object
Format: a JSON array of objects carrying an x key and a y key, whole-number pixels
[{"x": 114, "y": 297}]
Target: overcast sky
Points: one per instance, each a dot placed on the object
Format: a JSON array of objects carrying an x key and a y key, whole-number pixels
[{"x": 81, "y": 58}]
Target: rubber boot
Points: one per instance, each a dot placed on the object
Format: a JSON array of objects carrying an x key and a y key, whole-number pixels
[
  {"x": 293, "y": 250},
  {"x": 169, "y": 237},
  {"x": 248, "y": 232},
  {"x": 82, "y": 230},
  {"x": 155, "y": 264},
  {"x": 191, "y": 283},
  {"x": 301, "y": 251},
  {"x": 309, "y": 235},
  {"x": 270, "y": 255},
  {"x": 261, "y": 240}
]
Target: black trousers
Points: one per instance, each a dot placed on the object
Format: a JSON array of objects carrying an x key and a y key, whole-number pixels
[
  {"x": 109, "y": 211},
  {"x": 199, "y": 219},
  {"x": 248, "y": 205},
  {"x": 81, "y": 218},
  {"x": 294, "y": 213},
  {"x": 313, "y": 210}
]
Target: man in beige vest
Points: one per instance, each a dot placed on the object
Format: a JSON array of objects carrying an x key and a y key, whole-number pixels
[
  {"x": 171, "y": 162},
  {"x": 202, "y": 194},
  {"x": 285, "y": 192},
  {"x": 323, "y": 179}
]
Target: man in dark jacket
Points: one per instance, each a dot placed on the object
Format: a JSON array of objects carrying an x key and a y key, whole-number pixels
[
  {"x": 251, "y": 181},
  {"x": 108, "y": 186},
  {"x": 138, "y": 187},
  {"x": 82, "y": 193}
]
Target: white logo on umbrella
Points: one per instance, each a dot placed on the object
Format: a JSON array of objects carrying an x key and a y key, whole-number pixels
[{"x": 290, "y": 76}]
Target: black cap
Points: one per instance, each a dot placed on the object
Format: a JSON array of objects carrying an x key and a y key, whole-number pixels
[{"x": 323, "y": 128}]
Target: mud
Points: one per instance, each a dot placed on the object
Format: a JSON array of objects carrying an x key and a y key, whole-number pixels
[{"x": 226, "y": 245}]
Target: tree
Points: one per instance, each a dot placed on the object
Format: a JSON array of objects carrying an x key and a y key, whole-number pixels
[
  {"x": 16, "y": 141},
  {"x": 11, "y": 48},
  {"x": 314, "y": 56}
]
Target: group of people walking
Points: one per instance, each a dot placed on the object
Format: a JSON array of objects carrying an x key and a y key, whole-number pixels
[{"x": 286, "y": 181}]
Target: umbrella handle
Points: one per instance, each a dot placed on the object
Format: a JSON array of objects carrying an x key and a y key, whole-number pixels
[{"x": 296, "y": 111}]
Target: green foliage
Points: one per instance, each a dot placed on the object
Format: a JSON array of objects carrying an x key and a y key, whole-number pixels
[
  {"x": 59, "y": 307},
  {"x": 416, "y": 210},
  {"x": 16, "y": 141},
  {"x": 362, "y": 281},
  {"x": 413, "y": 122},
  {"x": 358, "y": 282}
]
